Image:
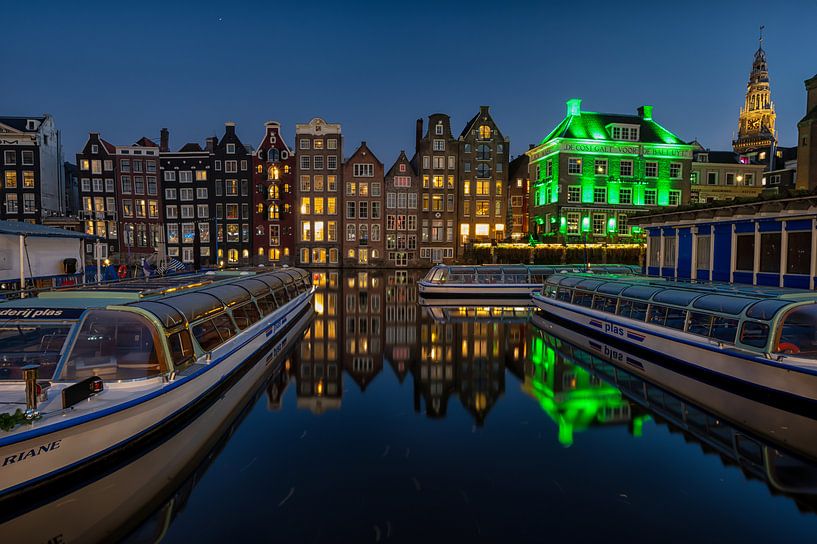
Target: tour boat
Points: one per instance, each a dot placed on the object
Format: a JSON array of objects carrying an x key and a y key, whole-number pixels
[
  {"x": 114, "y": 502},
  {"x": 761, "y": 338},
  {"x": 768, "y": 442},
  {"x": 495, "y": 285},
  {"x": 100, "y": 369}
]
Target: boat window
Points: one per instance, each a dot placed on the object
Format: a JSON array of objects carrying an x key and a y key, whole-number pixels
[
  {"x": 676, "y": 318},
  {"x": 439, "y": 275},
  {"x": 181, "y": 349},
  {"x": 590, "y": 285},
  {"x": 23, "y": 344},
  {"x": 676, "y": 297},
  {"x": 565, "y": 294},
  {"x": 282, "y": 296},
  {"x": 657, "y": 314},
  {"x": 114, "y": 345},
  {"x": 213, "y": 332},
  {"x": 723, "y": 303},
  {"x": 766, "y": 309},
  {"x": 538, "y": 277},
  {"x": 798, "y": 333},
  {"x": 490, "y": 275},
  {"x": 583, "y": 298},
  {"x": 642, "y": 292},
  {"x": 267, "y": 304},
  {"x": 632, "y": 309},
  {"x": 605, "y": 304},
  {"x": 700, "y": 323},
  {"x": 724, "y": 328},
  {"x": 570, "y": 281},
  {"x": 612, "y": 288},
  {"x": 245, "y": 315},
  {"x": 754, "y": 334}
]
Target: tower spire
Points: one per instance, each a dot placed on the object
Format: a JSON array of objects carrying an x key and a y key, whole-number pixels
[
  {"x": 760, "y": 39},
  {"x": 756, "y": 128}
]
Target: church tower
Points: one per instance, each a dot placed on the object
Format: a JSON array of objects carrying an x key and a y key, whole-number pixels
[{"x": 756, "y": 121}]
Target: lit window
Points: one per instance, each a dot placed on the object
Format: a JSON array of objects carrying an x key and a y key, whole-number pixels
[{"x": 574, "y": 165}]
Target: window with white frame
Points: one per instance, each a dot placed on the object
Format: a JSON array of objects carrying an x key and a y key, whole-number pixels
[
  {"x": 364, "y": 170},
  {"x": 675, "y": 170},
  {"x": 626, "y": 169},
  {"x": 600, "y": 195},
  {"x": 625, "y": 195},
  {"x": 574, "y": 165},
  {"x": 651, "y": 169},
  {"x": 674, "y": 198},
  {"x": 574, "y": 193},
  {"x": 624, "y": 132},
  {"x": 650, "y": 197},
  {"x": 600, "y": 167}
]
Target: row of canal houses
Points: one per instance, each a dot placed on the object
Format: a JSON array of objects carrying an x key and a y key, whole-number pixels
[{"x": 226, "y": 203}]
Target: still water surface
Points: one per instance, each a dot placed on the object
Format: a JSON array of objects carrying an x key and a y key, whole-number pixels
[{"x": 389, "y": 422}]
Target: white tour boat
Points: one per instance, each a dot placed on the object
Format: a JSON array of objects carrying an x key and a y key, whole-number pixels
[
  {"x": 90, "y": 372},
  {"x": 761, "y": 338}
]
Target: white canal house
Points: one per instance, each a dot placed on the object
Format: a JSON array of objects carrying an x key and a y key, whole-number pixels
[{"x": 769, "y": 243}]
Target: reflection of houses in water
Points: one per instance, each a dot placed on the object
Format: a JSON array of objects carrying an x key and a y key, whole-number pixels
[
  {"x": 464, "y": 351},
  {"x": 317, "y": 363},
  {"x": 575, "y": 399},
  {"x": 278, "y": 383},
  {"x": 400, "y": 321},
  {"x": 363, "y": 294}
]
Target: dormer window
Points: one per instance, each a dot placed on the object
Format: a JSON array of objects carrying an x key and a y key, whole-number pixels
[
  {"x": 703, "y": 157},
  {"x": 624, "y": 132},
  {"x": 94, "y": 149},
  {"x": 438, "y": 130},
  {"x": 31, "y": 125}
]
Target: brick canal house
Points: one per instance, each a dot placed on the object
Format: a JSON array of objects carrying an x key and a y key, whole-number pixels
[
  {"x": 138, "y": 200},
  {"x": 363, "y": 243},
  {"x": 98, "y": 195},
  {"x": 231, "y": 166},
  {"x": 188, "y": 189},
  {"x": 595, "y": 169},
  {"x": 274, "y": 208},
  {"x": 402, "y": 226},
  {"x": 483, "y": 171},
  {"x": 31, "y": 169},
  {"x": 320, "y": 202},
  {"x": 437, "y": 166}
]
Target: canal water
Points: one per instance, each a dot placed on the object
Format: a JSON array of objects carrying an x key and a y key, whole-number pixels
[{"x": 389, "y": 422}]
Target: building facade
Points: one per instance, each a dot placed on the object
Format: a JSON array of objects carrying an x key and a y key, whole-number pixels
[
  {"x": 518, "y": 191},
  {"x": 363, "y": 202},
  {"x": 31, "y": 169},
  {"x": 402, "y": 226},
  {"x": 274, "y": 217},
  {"x": 437, "y": 166},
  {"x": 757, "y": 116},
  {"x": 594, "y": 170},
  {"x": 188, "y": 191},
  {"x": 139, "y": 207},
  {"x": 232, "y": 163},
  {"x": 807, "y": 140},
  {"x": 483, "y": 172},
  {"x": 723, "y": 175},
  {"x": 98, "y": 195},
  {"x": 319, "y": 175}
]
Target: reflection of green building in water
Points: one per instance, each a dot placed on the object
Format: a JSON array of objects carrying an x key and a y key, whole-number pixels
[{"x": 575, "y": 399}]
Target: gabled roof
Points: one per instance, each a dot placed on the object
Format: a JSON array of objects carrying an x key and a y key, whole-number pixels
[
  {"x": 19, "y": 123},
  {"x": 401, "y": 158},
  {"x": 469, "y": 124},
  {"x": 145, "y": 142},
  {"x": 190, "y": 147},
  {"x": 109, "y": 147},
  {"x": 361, "y": 148},
  {"x": 590, "y": 125}
]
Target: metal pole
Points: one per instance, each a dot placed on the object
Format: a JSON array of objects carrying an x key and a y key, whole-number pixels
[
  {"x": 22, "y": 267},
  {"x": 98, "y": 252}
]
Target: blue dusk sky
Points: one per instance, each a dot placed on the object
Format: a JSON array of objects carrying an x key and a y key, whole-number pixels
[{"x": 128, "y": 69}]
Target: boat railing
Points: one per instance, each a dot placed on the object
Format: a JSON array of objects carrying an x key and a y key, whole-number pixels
[{"x": 514, "y": 274}]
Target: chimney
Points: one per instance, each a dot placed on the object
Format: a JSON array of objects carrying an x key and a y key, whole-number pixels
[
  {"x": 483, "y": 110},
  {"x": 645, "y": 112},
  {"x": 229, "y": 128},
  {"x": 210, "y": 144},
  {"x": 574, "y": 107},
  {"x": 811, "y": 94},
  {"x": 164, "y": 141},
  {"x": 418, "y": 134},
  {"x": 531, "y": 146}
]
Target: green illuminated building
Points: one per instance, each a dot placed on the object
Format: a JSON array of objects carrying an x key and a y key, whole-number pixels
[{"x": 595, "y": 169}]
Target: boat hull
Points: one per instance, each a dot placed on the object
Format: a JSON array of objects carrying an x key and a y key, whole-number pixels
[
  {"x": 57, "y": 449},
  {"x": 488, "y": 294},
  {"x": 769, "y": 377}
]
